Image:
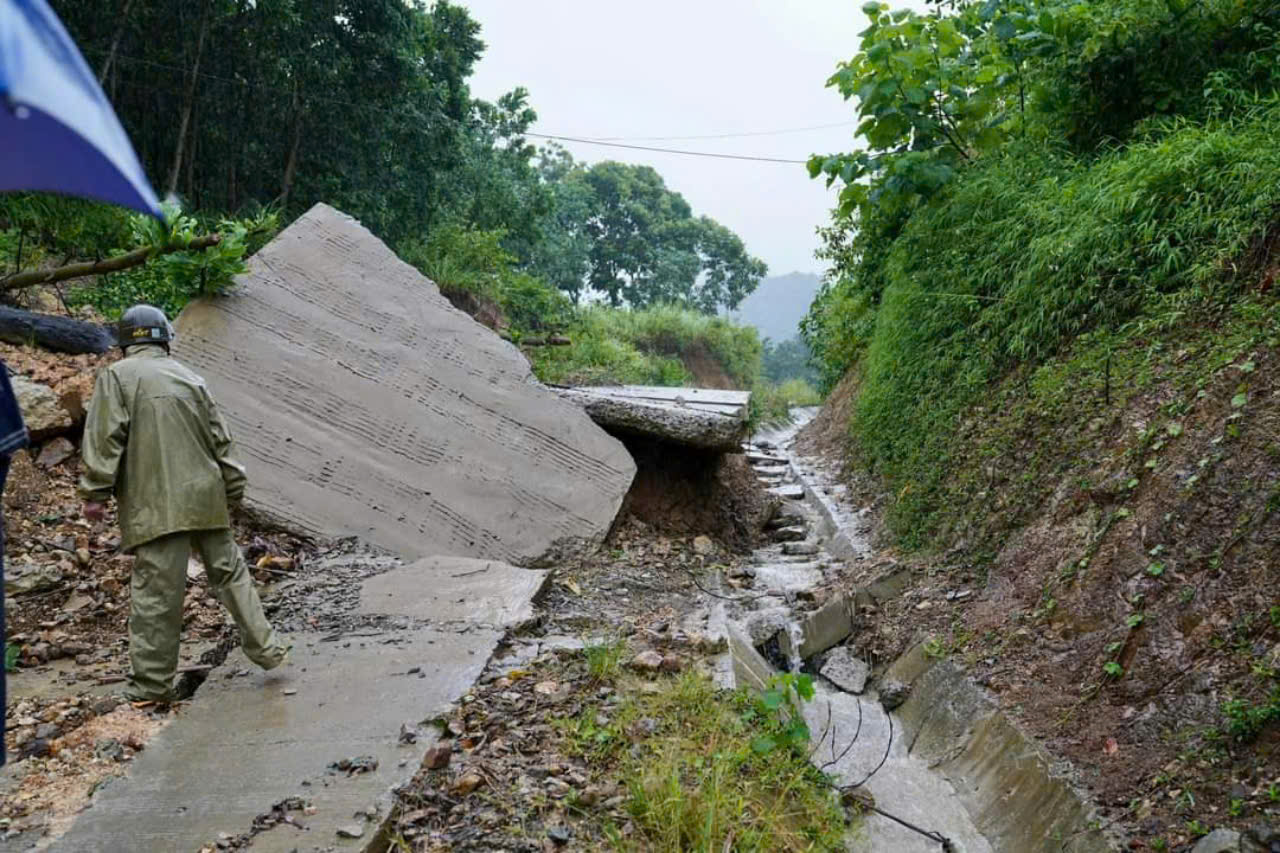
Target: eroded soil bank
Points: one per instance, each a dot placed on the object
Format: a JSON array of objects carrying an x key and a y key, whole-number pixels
[{"x": 1107, "y": 570}]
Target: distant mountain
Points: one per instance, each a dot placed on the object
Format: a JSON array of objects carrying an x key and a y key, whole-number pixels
[{"x": 778, "y": 304}]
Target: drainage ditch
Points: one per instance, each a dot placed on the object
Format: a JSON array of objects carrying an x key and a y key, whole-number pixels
[{"x": 930, "y": 755}]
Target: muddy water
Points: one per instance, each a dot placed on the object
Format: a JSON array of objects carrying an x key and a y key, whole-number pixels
[{"x": 855, "y": 739}]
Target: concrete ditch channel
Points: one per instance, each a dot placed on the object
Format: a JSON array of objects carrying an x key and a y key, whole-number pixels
[{"x": 946, "y": 770}]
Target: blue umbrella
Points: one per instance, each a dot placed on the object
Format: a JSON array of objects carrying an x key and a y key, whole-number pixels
[{"x": 58, "y": 132}]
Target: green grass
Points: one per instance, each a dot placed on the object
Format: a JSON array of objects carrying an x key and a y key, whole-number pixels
[
  {"x": 696, "y": 782},
  {"x": 648, "y": 347},
  {"x": 604, "y": 658}
]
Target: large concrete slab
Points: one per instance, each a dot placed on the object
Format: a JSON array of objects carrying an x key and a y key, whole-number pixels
[
  {"x": 709, "y": 426},
  {"x": 250, "y": 739},
  {"x": 365, "y": 404},
  {"x": 452, "y": 589},
  {"x": 725, "y": 402}
]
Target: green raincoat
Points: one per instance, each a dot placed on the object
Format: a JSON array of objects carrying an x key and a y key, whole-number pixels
[{"x": 155, "y": 439}]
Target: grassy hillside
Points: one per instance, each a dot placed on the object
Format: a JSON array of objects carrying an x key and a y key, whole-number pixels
[{"x": 1059, "y": 349}]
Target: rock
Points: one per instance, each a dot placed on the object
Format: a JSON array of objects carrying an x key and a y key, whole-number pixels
[
  {"x": 800, "y": 549},
  {"x": 55, "y": 453},
  {"x": 438, "y": 756},
  {"x": 645, "y": 726},
  {"x": 789, "y": 534},
  {"x": 559, "y": 834},
  {"x": 40, "y": 409},
  {"x": 108, "y": 749},
  {"x": 647, "y": 661},
  {"x": 893, "y": 694},
  {"x": 1261, "y": 838},
  {"x": 846, "y": 671},
  {"x": 703, "y": 545},
  {"x": 1218, "y": 841},
  {"x": 83, "y": 557},
  {"x": 351, "y": 830},
  {"x": 785, "y": 518},
  {"x": 35, "y": 748},
  {"x": 105, "y": 705},
  {"x": 671, "y": 663},
  {"x": 48, "y": 731},
  {"x": 28, "y": 578},
  {"x": 467, "y": 783}
]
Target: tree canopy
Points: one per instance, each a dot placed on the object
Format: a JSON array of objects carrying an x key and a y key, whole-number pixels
[{"x": 236, "y": 106}]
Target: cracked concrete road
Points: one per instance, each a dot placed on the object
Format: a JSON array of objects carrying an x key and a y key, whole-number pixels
[{"x": 249, "y": 739}]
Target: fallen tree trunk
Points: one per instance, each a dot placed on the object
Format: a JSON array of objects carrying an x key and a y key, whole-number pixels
[
  {"x": 120, "y": 262},
  {"x": 51, "y": 332}
]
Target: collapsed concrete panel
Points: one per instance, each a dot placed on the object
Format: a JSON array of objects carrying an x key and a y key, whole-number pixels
[
  {"x": 719, "y": 425},
  {"x": 364, "y": 404}
]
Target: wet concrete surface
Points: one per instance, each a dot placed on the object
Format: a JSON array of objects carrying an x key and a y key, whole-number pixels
[
  {"x": 904, "y": 785},
  {"x": 250, "y": 739}
]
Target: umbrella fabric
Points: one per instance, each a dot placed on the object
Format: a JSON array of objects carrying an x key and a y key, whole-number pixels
[{"x": 58, "y": 132}]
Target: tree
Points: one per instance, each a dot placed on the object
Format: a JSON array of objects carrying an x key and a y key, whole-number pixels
[{"x": 633, "y": 241}]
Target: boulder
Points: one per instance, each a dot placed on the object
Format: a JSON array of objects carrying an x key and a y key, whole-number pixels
[
  {"x": 366, "y": 405},
  {"x": 44, "y": 417}
]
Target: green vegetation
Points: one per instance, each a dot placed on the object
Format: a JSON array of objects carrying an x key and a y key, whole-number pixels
[
  {"x": 252, "y": 132},
  {"x": 788, "y": 360},
  {"x": 1246, "y": 720},
  {"x": 604, "y": 658},
  {"x": 1065, "y": 180},
  {"x": 664, "y": 345},
  {"x": 717, "y": 771}
]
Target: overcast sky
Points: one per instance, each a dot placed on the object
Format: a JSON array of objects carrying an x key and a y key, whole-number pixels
[{"x": 607, "y": 68}]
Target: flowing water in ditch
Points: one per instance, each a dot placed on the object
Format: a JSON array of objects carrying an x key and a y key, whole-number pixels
[{"x": 855, "y": 739}]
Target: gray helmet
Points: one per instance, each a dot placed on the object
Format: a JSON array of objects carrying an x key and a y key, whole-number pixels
[{"x": 144, "y": 324}]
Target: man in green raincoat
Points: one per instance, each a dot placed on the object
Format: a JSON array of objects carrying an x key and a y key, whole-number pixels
[{"x": 155, "y": 439}]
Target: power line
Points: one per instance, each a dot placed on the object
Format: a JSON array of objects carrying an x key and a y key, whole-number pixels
[
  {"x": 664, "y": 150},
  {"x": 739, "y": 135},
  {"x": 606, "y": 142}
]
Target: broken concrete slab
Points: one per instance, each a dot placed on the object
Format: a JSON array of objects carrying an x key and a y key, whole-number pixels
[
  {"x": 250, "y": 739},
  {"x": 790, "y": 493},
  {"x": 695, "y": 427},
  {"x": 244, "y": 745},
  {"x": 845, "y": 670},
  {"x": 788, "y": 577},
  {"x": 822, "y": 629},
  {"x": 454, "y": 589},
  {"x": 734, "y": 404},
  {"x": 750, "y": 669},
  {"x": 800, "y": 549},
  {"x": 365, "y": 404}
]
